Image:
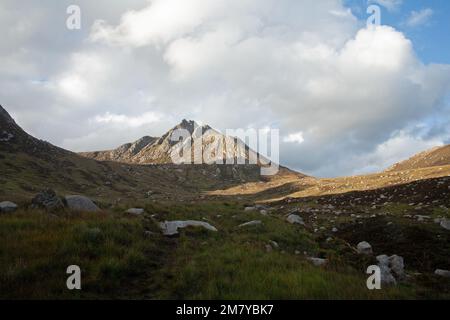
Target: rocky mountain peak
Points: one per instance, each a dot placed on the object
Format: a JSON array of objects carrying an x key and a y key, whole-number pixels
[{"x": 5, "y": 117}]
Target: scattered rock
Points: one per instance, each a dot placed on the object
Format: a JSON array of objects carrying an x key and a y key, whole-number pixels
[
  {"x": 445, "y": 224},
  {"x": 263, "y": 212},
  {"x": 170, "y": 228},
  {"x": 364, "y": 248},
  {"x": 274, "y": 244},
  {"x": 334, "y": 230},
  {"x": 250, "y": 223},
  {"x": 135, "y": 211},
  {"x": 48, "y": 200},
  {"x": 249, "y": 209},
  {"x": 442, "y": 273},
  {"x": 7, "y": 206},
  {"x": 295, "y": 219},
  {"x": 81, "y": 203},
  {"x": 318, "y": 262}
]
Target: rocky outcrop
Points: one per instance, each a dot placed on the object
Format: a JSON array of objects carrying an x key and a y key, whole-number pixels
[
  {"x": 392, "y": 269},
  {"x": 47, "y": 200}
]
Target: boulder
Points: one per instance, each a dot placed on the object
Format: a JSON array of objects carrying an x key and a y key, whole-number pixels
[
  {"x": 383, "y": 260},
  {"x": 394, "y": 264},
  {"x": 48, "y": 200},
  {"x": 318, "y": 262},
  {"x": 81, "y": 203},
  {"x": 249, "y": 209},
  {"x": 364, "y": 248},
  {"x": 386, "y": 276},
  {"x": 7, "y": 206},
  {"x": 397, "y": 265},
  {"x": 135, "y": 211},
  {"x": 445, "y": 224},
  {"x": 295, "y": 219},
  {"x": 250, "y": 223},
  {"x": 442, "y": 273},
  {"x": 170, "y": 228}
]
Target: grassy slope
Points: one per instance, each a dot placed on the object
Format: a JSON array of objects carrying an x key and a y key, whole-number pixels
[{"x": 122, "y": 262}]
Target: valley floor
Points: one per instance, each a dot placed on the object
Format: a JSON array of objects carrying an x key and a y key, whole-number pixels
[{"x": 127, "y": 257}]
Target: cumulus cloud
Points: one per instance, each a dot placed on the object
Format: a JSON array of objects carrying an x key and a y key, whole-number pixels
[
  {"x": 418, "y": 18},
  {"x": 334, "y": 90},
  {"x": 294, "y": 138}
]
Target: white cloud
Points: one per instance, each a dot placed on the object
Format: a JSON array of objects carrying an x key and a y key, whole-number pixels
[
  {"x": 127, "y": 121},
  {"x": 399, "y": 147},
  {"x": 288, "y": 64},
  {"x": 418, "y": 18},
  {"x": 294, "y": 138}
]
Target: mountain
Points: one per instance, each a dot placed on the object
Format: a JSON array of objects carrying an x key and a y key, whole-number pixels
[
  {"x": 29, "y": 165},
  {"x": 150, "y": 150},
  {"x": 14, "y": 139},
  {"x": 438, "y": 156}
]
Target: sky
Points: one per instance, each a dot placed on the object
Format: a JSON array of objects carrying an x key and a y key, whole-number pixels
[{"x": 347, "y": 98}]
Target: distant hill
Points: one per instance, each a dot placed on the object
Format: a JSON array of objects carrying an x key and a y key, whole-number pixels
[{"x": 438, "y": 156}]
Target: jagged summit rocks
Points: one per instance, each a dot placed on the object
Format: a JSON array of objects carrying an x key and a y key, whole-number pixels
[{"x": 151, "y": 150}]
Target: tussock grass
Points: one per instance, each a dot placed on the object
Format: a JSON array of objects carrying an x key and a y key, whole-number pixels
[{"x": 36, "y": 249}]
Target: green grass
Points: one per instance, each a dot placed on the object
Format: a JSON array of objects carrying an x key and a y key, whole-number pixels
[
  {"x": 119, "y": 261},
  {"x": 36, "y": 250}
]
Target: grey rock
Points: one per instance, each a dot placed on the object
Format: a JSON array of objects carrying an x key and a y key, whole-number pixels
[
  {"x": 364, "y": 248},
  {"x": 170, "y": 228},
  {"x": 445, "y": 224},
  {"x": 135, "y": 211},
  {"x": 48, "y": 200},
  {"x": 442, "y": 273},
  {"x": 81, "y": 203},
  {"x": 250, "y": 223},
  {"x": 397, "y": 265},
  {"x": 249, "y": 209},
  {"x": 383, "y": 260},
  {"x": 7, "y": 206},
  {"x": 295, "y": 219},
  {"x": 274, "y": 244},
  {"x": 386, "y": 276},
  {"x": 318, "y": 262}
]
